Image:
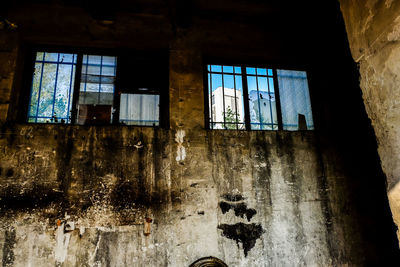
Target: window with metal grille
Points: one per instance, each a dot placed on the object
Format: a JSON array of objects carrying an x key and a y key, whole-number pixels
[
  {"x": 52, "y": 87},
  {"x": 225, "y": 92},
  {"x": 78, "y": 88},
  {"x": 257, "y": 98}
]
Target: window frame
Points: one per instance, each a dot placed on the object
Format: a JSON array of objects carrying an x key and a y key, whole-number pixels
[
  {"x": 29, "y": 68},
  {"x": 243, "y": 66}
]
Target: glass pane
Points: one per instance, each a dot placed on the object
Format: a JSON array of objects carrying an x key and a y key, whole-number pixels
[
  {"x": 216, "y": 68},
  {"x": 138, "y": 109},
  {"x": 251, "y": 71},
  {"x": 229, "y": 82},
  {"x": 261, "y": 71},
  {"x": 295, "y": 100},
  {"x": 52, "y": 88},
  {"x": 62, "y": 97},
  {"x": 270, "y": 72},
  {"x": 109, "y": 61},
  {"x": 262, "y": 84},
  {"x": 239, "y": 99},
  {"x": 210, "y": 102},
  {"x": 228, "y": 69},
  {"x": 217, "y": 98},
  {"x": 39, "y": 56},
  {"x": 262, "y": 104},
  {"x": 107, "y": 88},
  {"x": 67, "y": 58},
  {"x": 96, "y": 97},
  {"x": 47, "y": 91},
  {"x": 216, "y": 81},
  {"x": 52, "y": 57},
  {"x": 271, "y": 84},
  {"x": 253, "y": 101},
  {"x": 238, "y": 70}
]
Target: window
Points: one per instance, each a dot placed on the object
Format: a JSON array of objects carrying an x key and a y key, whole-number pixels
[
  {"x": 143, "y": 83},
  {"x": 276, "y": 98},
  {"x": 52, "y": 87},
  {"x": 84, "y": 89},
  {"x": 96, "y": 91}
]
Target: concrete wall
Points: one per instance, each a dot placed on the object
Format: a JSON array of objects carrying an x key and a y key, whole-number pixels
[
  {"x": 373, "y": 29},
  {"x": 80, "y": 195}
]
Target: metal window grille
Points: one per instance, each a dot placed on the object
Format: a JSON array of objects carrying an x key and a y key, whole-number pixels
[
  {"x": 225, "y": 97},
  {"x": 276, "y": 99},
  {"x": 262, "y": 104},
  {"x": 52, "y": 88}
]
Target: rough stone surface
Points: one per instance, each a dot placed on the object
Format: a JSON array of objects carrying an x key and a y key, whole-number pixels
[
  {"x": 84, "y": 195},
  {"x": 373, "y": 29}
]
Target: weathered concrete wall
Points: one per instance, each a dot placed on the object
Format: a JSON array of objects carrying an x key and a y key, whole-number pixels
[
  {"x": 250, "y": 199},
  {"x": 373, "y": 29},
  {"x": 79, "y": 195}
]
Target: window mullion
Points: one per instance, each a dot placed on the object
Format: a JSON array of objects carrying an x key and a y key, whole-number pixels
[
  {"x": 211, "y": 120},
  {"x": 277, "y": 100},
  {"x": 70, "y": 86},
  {"x": 259, "y": 106},
  {"x": 75, "y": 96},
  {"x": 246, "y": 99},
  {"x": 223, "y": 98},
  {"x": 234, "y": 90},
  {"x": 117, "y": 93},
  {"x": 53, "y": 115}
]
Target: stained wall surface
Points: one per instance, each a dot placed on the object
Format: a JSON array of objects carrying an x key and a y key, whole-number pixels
[
  {"x": 373, "y": 29},
  {"x": 82, "y": 195}
]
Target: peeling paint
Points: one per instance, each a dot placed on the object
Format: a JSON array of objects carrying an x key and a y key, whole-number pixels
[
  {"x": 62, "y": 243},
  {"x": 181, "y": 151}
]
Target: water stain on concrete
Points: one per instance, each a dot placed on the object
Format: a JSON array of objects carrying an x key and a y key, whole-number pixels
[{"x": 247, "y": 234}]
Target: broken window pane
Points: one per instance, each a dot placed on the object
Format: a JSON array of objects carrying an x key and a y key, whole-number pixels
[
  {"x": 96, "y": 95},
  {"x": 52, "y": 88},
  {"x": 139, "y": 109},
  {"x": 295, "y": 100}
]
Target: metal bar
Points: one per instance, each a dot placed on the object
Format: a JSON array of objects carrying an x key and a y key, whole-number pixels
[
  {"x": 101, "y": 69},
  {"x": 210, "y": 101},
  {"x": 223, "y": 95},
  {"x": 258, "y": 101},
  {"x": 117, "y": 97},
  {"x": 236, "y": 109},
  {"x": 70, "y": 87},
  {"x": 270, "y": 104},
  {"x": 259, "y": 75},
  {"x": 75, "y": 96},
  {"x": 86, "y": 71},
  {"x": 277, "y": 100},
  {"x": 246, "y": 99},
  {"x": 206, "y": 97},
  {"x": 54, "y": 62},
  {"x": 55, "y": 88}
]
